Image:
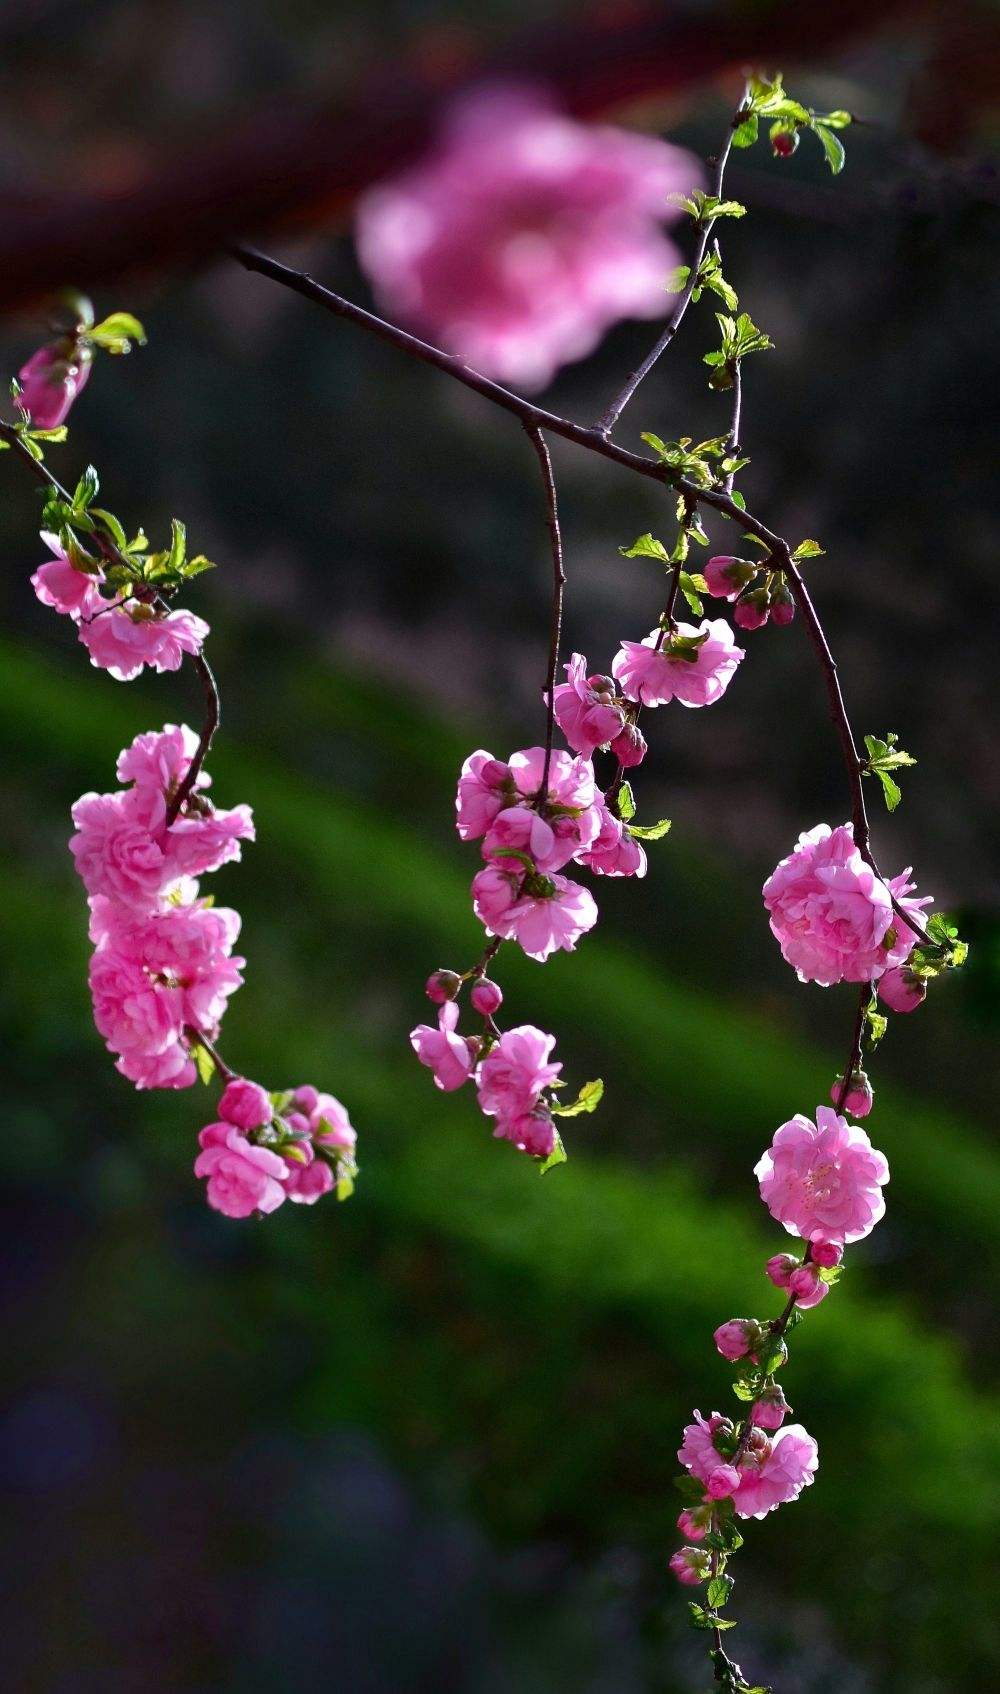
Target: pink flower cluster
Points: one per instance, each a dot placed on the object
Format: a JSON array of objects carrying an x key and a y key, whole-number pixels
[
  {"x": 833, "y": 916},
  {"x": 759, "y": 594},
  {"x": 523, "y": 236},
  {"x": 513, "y": 1078},
  {"x": 163, "y": 961},
  {"x": 267, "y": 1149},
  {"x": 121, "y": 634},
  {"x": 768, "y": 1473}
]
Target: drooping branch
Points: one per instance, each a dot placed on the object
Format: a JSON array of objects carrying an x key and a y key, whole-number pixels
[{"x": 540, "y": 446}]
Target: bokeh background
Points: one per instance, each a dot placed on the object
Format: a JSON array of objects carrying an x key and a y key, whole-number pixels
[{"x": 425, "y": 1441}]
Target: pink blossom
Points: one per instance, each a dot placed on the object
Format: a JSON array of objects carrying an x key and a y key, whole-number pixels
[
  {"x": 698, "y": 1451},
  {"x": 245, "y": 1104},
  {"x": 121, "y": 640},
  {"x": 51, "y": 380},
  {"x": 629, "y": 748},
  {"x": 770, "y": 1411},
  {"x": 726, "y": 576},
  {"x": 120, "y": 847},
  {"x": 486, "y": 997},
  {"x": 133, "y": 1012},
  {"x": 326, "y": 1118},
  {"x": 542, "y": 914},
  {"x": 531, "y": 1132},
  {"x": 752, "y": 609},
  {"x": 60, "y": 585},
  {"x": 204, "y": 839},
  {"x": 485, "y": 787},
  {"x": 832, "y": 915},
  {"x": 808, "y": 1286},
  {"x": 160, "y": 759},
  {"x": 514, "y": 1074},
  {"x": 586, "y": 709},
  {"x": 173, "y": 1068},
  {"x": 823, "y": 1179},
  {"x": 690, "y": 1565},
  {"x": 564, "y": 824},
  {"x": 780, "y": 1267},
  {"x": 723, "y": 1482},
  {"x": 653, "y": 673},
  {"x": 447, "y": 1054},
  {"x": 242, "y": 1178},
  {"x": 735, "y": 1339},
  {"x": 860, "y": 1096},
  {"x": 826, "y": 1253},
  {"x": 902, "y": 990},
  {"x": 522, "y": 236},
  {"x": 308, "y": 1178},
  {"x": 614, "y": 852},
  {"x": 785, "y": 1466}
]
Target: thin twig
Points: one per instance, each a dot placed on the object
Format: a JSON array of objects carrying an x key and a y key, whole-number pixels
[
  {"x": 538, "y": 442},
  {"x": 213, "y": 713},
  {"x": 614, "y": 411},
  {"x": 854, "y": 1057}
]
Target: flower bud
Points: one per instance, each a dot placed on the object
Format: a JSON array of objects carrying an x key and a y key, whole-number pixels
[
  {"x": 442, "y": 986},
  {"x": 860, "y": 1096},
  {"x": 826, "y": 1253},
  {"x": 726, "y": 575},
  {"x": 694, "y": 1522},
  {"x": 782, "y": 604},
  {"x": 784, "y": 142},
  {"x": 751, "y": 610},
  {"x": 808, "y": 1286},
  {"x": 769, "y": 1411},
  {"x": 629, "y": 747},
  {"x": 724, "y": 1480},
  {"x": 780, "y": 1268},
  {"x": 737, "y": 1338},
  {"x": 690, "y": 1565},
  {"x": 901, "y": 989},
  {"x": 486, "y": 997},
  {"x": 51, "y": 380}
]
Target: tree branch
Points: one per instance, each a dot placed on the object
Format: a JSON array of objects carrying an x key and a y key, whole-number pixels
[{"x": 538, "y": 442}]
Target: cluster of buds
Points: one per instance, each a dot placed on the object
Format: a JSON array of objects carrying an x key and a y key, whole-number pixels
[{"x": 758, "y": 592}]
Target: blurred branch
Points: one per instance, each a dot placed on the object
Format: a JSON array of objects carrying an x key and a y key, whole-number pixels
[{"x": 287, "y": 168}]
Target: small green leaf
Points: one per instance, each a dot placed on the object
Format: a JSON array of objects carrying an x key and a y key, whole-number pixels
[
  {"x": 178, "y": 547},
  {"x": 719, "y": 1590},
  {"x": 745, "y": 133},
  {"x": 556, "y": 1157},
  {"x": 891, "y": 790},
  {"x": 650, "y": 831},
  {"x": 204, "y": 1061},
  {"x": 86, "y": 489},
  {"x": 588, "y": 1100},
  {"x": 626, "y": 803},
  {"x": 113, "y": 527},
  {"x": 117, "y": 333},
  {"x": 833, "y": 147},
  {"x": 645, "y": 547},
  {"x": 677, "y": 281},
  {"x": 808, "y": 550}
]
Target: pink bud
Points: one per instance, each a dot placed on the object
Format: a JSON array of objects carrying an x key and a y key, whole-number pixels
[
  {"x": 246, "y": 1104},
  {"x": 694, "y": 1522},
  {"x": 808, "y": 1286},
  {"x": 726, "y": 575},
  {"x": 784, "y": 143},
  {"x": 860, "y": 1096},
  {"x": 51, "y": 380},
  {"x": 769, "y": 1411},
  {"x": 629, "y": 748},
  {"x": 442, "y": 986},
  {"x": 751, "y": 610},
  {"x": 724, "y": 1480},
  {"x": 486, "y": 997},
  {"x": 826, "y": 1253},
  {"x": 690, "y": 1565},
  {"x": 735, "y": 1338},
  {"x": 782, "y": 605},
  {"x": 901, "y": 989},
  {"x": 780, "y": 1268}
]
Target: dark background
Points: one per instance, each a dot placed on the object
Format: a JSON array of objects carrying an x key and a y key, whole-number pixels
[{"x": 425, "y": 1441}]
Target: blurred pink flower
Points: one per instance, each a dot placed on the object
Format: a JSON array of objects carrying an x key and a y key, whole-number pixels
[{"x": 523, "y": 235}]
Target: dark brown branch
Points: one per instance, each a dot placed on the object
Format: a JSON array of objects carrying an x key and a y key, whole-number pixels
[
  {"x": 857, "y": 1037},
  {"x": 538, "y": 442},
  {"x": 210, "y": 723}
]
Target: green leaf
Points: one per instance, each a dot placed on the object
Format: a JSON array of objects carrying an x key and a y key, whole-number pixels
[
  {"x": 58, "y": 434},
  {"x": 647, "y": 546},
  {"x": 688, "y": 589},
  {"x": 808, "y": 550},
  {"x": 719, "y": 1590},
  {"x": 178, "y": 547},
  {"x": 833, "y": 147},
  {"x": 677, "y": 281},
  {"x": 86, "y": 489},
  {"x": 345, "y": 1183},
  {"x": 626, "y": 803},
  {"x": 689, "y": 1487},
  {"x": 745, "y": 133},
  {"x": 556, "y": 1157},
  {"x": 588, "y": 1100},
  {"x": 891, "y": 790},
  {"x": 772, "y": 1355},
  {"x": 204, "y": 1061},
  {"x": 117, "y": 332},
  {"x": 836, "y": 120},
  {"x": 195, "y": 566},
  {"x": 113, "y": 527},
  {"x": 649, "y": 831}
]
